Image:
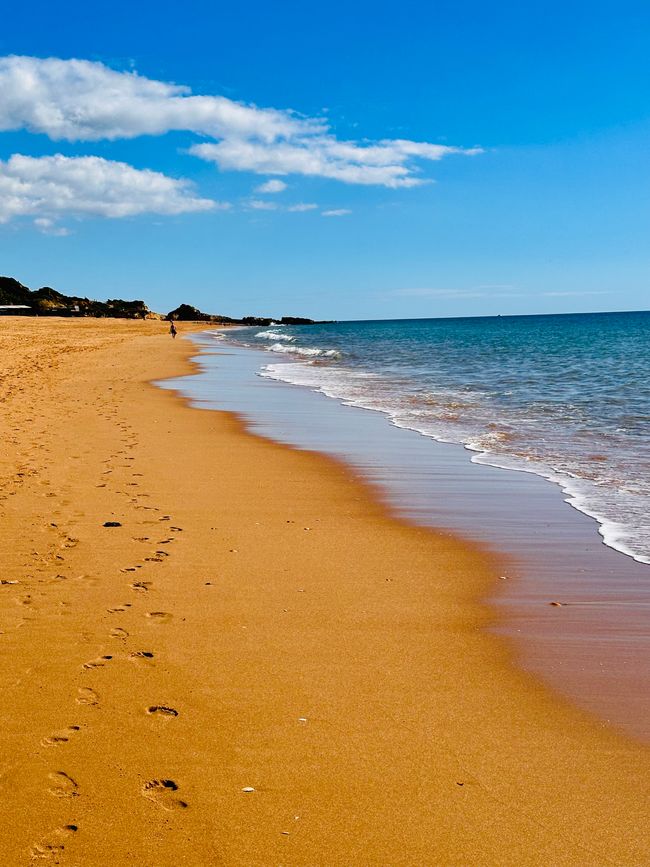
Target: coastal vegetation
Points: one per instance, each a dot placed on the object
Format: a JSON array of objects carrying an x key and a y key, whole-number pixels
[{"x": 18, "y": 298}]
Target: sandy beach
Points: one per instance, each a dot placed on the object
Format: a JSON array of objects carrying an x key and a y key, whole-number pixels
[{"x": 220, "y": 650}]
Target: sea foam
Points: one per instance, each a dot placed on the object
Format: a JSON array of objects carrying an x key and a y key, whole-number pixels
[{"x": 563, "y": 397}]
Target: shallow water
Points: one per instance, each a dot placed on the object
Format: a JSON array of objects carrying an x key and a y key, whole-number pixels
[
  {"x": 595, "y": 648},
  {"x": 566, "y": 397}
]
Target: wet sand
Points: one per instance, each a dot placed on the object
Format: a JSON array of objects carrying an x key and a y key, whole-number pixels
[
  {"x": 594, "y": 647},
  {"x": 257, "y": 621}
]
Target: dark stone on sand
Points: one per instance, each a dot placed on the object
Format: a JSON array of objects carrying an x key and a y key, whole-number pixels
[{"x": 112, "y": 524}]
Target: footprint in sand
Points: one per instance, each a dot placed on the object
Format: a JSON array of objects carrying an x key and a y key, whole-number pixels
[
  {"x": 118, "y": 632},
  {"x": 162, "y": 710},
  {"x": 60, "y": 737},
  {"x": 159, "y": 616},
  {"x": 100, "y": 662},
  {"x": 115, "y": 610},
  {"x": 87, "y": 696},
  {"x": 141, "y": 655},
  {"x": 162, "y": 793},
  {"x": 63, "y": 786},
  {"x": 142, "y": 586},
  {"x": 54, "y": 845}
]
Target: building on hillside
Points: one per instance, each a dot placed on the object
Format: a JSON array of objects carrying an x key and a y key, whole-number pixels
[{"x": 15, "y": 310}]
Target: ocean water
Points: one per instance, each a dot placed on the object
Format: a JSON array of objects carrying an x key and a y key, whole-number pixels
[{"x": 566, "y": 397}]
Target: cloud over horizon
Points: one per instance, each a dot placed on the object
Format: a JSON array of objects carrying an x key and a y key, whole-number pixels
[
  {"x": 51, "y": 187},
  {"x": 82, "y": 100}
]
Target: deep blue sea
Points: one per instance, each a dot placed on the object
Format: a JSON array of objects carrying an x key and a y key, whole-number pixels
[{"x": 566, "y": 397}]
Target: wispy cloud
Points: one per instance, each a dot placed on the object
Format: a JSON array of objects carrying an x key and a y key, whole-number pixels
[
  {"x": 388, "y": 163},
  {"x": 266, "y": 205},
  {"x": 48, "y": 188},
  {"x": 577, "y": 294},
  {"x": 424, "y": 292},
  {"x": 79, "y": 100},
  {"x": 336, "y": 212},
  {"x": 272, "y": 186},
  {"x": 499, "y": 290},
  {"x": 261, "y": 205},
  {"x": 49, "y": 227}
]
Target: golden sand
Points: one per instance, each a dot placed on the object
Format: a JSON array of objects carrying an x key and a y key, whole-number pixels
[{"x": 259, "y": 666}]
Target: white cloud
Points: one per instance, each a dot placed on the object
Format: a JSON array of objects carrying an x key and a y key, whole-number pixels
[
  {"x": 272, "y": 186},
  {"x": 259, "y": 205},
  {"x": 336, "y": 212},
  {"x": 385, "y": 164},
  {"x": 49, "y": 227},
  {"x": 265, "y": 205},
  {"x": 50, "y": 187},
  {"x": 80, "y": 100}
]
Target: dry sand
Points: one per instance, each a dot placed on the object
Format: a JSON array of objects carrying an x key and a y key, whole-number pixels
[{"x": 289, "y": 636}]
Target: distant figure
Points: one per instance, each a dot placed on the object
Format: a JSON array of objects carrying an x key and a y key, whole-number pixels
[{"x": 172, "y": 330}]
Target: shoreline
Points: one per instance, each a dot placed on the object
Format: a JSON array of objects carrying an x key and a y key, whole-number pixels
[
  {"x": 590, "y": 647},
  {"x": 340, "y": 373},
  {"x": 313, "y": 647}
]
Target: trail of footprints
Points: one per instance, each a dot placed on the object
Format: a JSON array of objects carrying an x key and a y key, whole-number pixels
[{"x": 162, "y": 792}]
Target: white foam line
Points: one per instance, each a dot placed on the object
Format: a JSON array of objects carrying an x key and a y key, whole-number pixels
[{"x": 612, "y": 533}]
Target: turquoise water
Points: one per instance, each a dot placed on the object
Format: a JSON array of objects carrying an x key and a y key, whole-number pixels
[{"x": 566, "y": 397}]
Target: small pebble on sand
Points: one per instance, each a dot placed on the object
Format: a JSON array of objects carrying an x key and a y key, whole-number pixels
[{"x": 248, "y": 789}]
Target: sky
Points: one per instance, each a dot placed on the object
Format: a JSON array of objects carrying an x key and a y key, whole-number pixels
[{"x": 339, "y": 160}]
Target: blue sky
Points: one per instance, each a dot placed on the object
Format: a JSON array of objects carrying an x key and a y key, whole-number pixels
[{"x": 533, "y": 198}]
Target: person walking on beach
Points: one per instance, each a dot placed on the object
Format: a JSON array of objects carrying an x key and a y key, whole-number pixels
[{"x": 172, "y": 330}]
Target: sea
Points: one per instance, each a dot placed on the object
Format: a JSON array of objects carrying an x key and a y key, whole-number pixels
[
  {"x": 566, "y": 397},
  {"x": 526, "y": 435}
]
